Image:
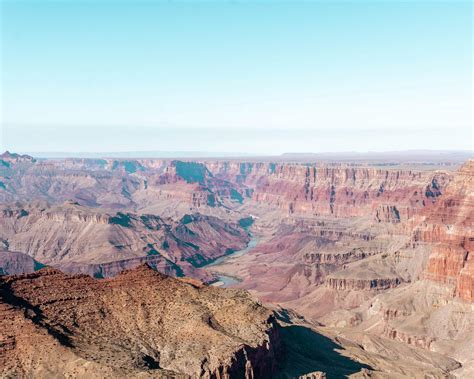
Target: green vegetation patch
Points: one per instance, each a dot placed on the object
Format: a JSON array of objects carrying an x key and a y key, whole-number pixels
[
  {"x": 186, "y": 219},
  {"x": 235, "y": 195},
  {"x": 121, "y": 219},
  {"x": 211, "y": 200},
  {"x": 152, "y": 250},
  {"x": 246, "y": 222},
  {"x": 192, "y": 172}
]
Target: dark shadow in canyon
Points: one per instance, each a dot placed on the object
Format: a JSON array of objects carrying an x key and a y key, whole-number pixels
[
  {"x": 305, "y": 351},
  {"x": 35, "y": 314}
]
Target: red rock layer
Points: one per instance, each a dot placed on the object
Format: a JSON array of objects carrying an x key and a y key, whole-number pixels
[
  {"x": 388, "y": 195},
  {"x": 449, "y": 226}
]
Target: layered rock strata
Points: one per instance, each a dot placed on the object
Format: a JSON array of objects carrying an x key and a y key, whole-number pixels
[
  {"x": 80, "y": 239},
  {"x": 449, "y": 227}
]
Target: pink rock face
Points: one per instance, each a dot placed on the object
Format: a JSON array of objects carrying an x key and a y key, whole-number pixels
[
  {"x": 465, "y": 283},
  {"x": 337, "y": 190},
  {"x": 449, "y": 226}
]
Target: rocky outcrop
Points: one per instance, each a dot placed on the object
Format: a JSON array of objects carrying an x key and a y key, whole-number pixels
[
  {"x": 314, "y": 375},
  {"x": 387, "y": 213},
  {"x": 423, "y": 342},
  {"x": 139, "y": 323},
  {"x": 337, "y": 259},
  {"x": 349, "y": 284}
]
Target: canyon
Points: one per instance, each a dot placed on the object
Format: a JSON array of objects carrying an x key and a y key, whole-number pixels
[
  {"x": 77, "y": 239},
  {"x": 373, "y": 258}
]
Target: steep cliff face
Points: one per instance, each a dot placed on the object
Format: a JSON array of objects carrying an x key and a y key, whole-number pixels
[
  {"x": 449, "y": 226},
  {"x": 388, "y": 195},
  {"x": 430, "y": 311},
  {"x": 140, "y": 323},
  {"x": 208, "y": 190},
  {"x": 359, "y": 284}
]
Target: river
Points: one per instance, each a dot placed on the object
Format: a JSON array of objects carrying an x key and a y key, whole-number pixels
[{"x": 225, "y": 280}]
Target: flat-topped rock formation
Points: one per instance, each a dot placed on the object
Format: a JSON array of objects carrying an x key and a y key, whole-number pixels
[{"x": 7, "y": 158}]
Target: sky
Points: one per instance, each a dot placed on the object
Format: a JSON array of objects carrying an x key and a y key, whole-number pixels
[{"x": 257, "y": 77}]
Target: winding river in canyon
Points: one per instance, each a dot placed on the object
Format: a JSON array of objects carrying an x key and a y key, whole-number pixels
[{"x": 225, "y": 280}]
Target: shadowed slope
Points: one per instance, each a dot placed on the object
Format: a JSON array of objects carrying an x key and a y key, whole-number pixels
[{"x": 305, "y": 351}]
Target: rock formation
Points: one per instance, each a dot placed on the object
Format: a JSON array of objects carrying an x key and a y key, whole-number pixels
[
  {"x": 139, "y": 322},
  {"x": 449, "y": 226},
  {"x": 80, "y": 239},
  {"x": 159, "y": 186},
  {"x": 13, "y": 262},
  {"x": 338, "y": 190}
]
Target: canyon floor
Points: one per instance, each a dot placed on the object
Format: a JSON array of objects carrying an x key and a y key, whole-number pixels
[{"x": 348, "y": 268}]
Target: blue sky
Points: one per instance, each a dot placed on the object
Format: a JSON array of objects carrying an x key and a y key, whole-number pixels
[{"x": 241, "y": 76}]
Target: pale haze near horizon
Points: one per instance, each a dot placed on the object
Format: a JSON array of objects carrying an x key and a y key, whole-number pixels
[{"x": 248, "y": 77}]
